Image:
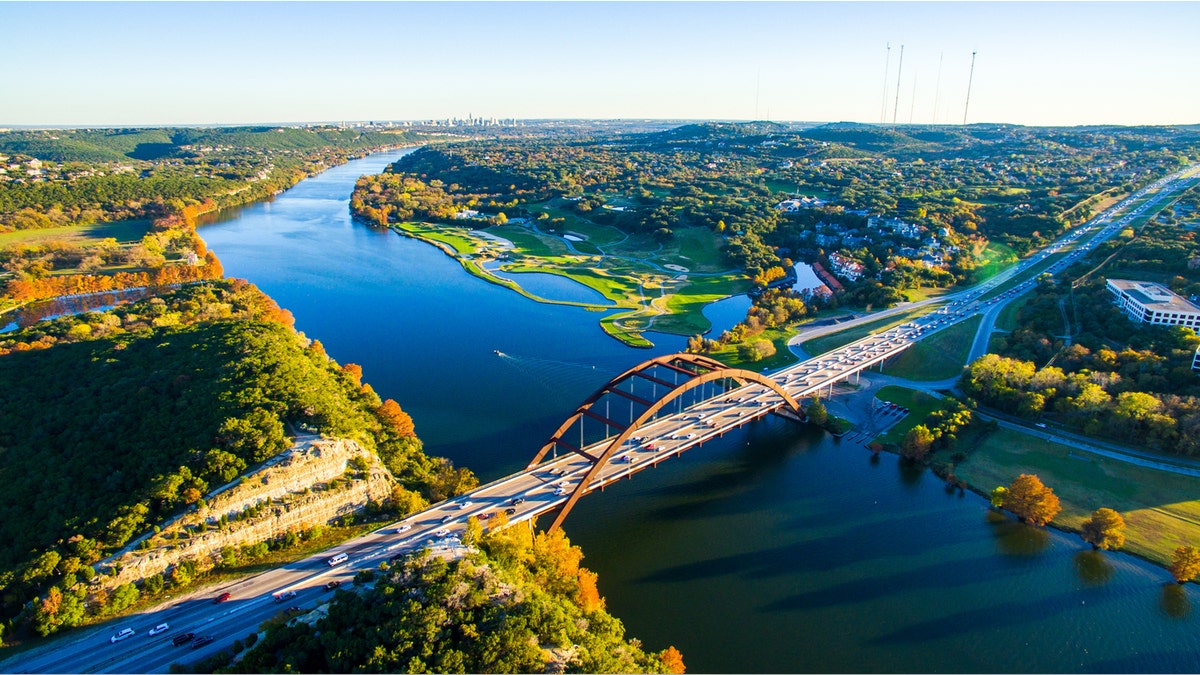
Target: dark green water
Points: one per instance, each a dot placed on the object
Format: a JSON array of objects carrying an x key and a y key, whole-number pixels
[{"x": 775, "y": 549}]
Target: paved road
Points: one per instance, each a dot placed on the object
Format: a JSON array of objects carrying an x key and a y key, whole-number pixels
[{"x": 525, "y": 494}]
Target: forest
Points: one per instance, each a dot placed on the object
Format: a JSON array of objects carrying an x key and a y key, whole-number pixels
[
  {"x": 1113, "y": 378},
  {"x": 517, "y": 603},
  {"x": 141, "y": 410},
  {"x": 84, "y": 176}
]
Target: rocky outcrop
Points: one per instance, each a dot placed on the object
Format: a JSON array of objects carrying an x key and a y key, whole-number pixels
[{"x": 311, "y": 484}]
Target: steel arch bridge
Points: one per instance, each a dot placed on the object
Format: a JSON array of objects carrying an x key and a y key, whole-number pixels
[{"x": 689, "y": 375}]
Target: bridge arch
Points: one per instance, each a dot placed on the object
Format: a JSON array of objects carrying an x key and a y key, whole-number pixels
[{"x": 697, "y": 370}]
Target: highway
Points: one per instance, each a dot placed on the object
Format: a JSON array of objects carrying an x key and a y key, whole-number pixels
[{"x": 532, "y": 492}]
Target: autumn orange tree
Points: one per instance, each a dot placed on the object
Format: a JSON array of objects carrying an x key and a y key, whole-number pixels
[
  {"x": 1105, "y": 529},
  {"x": 1031, "y": 501},
  {"x": 391, "y": 414}
]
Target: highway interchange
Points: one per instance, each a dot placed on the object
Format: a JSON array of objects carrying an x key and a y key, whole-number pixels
[{"x": 532, "y": 492}]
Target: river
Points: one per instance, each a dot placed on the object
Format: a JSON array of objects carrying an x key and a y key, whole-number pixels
[{"x": 774, "y": 549}]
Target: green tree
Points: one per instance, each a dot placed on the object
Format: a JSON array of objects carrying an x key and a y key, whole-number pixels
[
  {"x": 817, "y": 414},
  {"x": 1105, "y": 529},
  {"x": 997, "y": 496}
]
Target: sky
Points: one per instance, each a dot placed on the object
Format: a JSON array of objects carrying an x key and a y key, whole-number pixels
[{"x": 151, "y": 63}]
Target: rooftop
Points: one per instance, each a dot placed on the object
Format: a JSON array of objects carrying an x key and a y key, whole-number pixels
[{"x": 1154, "y": 296}]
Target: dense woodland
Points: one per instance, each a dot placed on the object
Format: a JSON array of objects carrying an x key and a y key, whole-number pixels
[
  {"x": 143, "y": 409},
  {"x": 1114, "y": 378},
  {"x": 517, "y": 604},
  {"x": 83, "y": 176}
]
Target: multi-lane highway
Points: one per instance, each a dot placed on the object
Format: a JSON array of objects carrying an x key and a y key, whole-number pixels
[{"x": 529, "y": 493}]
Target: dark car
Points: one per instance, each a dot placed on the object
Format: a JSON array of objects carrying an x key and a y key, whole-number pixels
[
  {"x": 222, "y": 598},
  {"x": 517, "y": 500},
  {"x": 510, "y": 510},
  {"x": 201, "y": 641},
  {"x": 182, "y": 639},
  {"x": 333, "y": 584}
]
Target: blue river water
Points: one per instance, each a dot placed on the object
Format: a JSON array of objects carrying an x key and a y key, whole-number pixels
[{"x": 773, "y": 549}]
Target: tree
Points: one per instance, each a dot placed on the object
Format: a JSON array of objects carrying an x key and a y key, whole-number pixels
[
  {"x": 997, "y": 496},
  {"x": 1185, "y": 564},
  {"x": 400, "y": 421},
  {"x": 1105, "y": 529},
  {"x": 1031, "y": 501},
  {"x": 917, "y": 442},
  {"x": 817, "y": 414},
  {"x": 672, "y": 661}
]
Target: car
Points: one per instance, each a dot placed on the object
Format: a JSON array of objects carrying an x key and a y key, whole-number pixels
[
  {"x": 517, "y": 500},
  {"x": 560, "y": 492},
  {"x": 484, "y": 516},
  {"x": 510, "y": 511},
  {"x": 690, "y": 436},
  {"x": 285, "y": 595},
  {"x": 403, "y": 528},
  {"x": 201, "y": 641},
  {"x": 222, "y": 598},
  {"x": 123, "y": 634},
  {"x": 337, "y": 560},
  {"x": 332, "y": 585},
  {"x": 626, "y": 458},
  {"x": 465, "y": 505},
  {"x": 160, "y": 628},
  {"x": 442, "y": 533},
  {"x": 650, "y": 447},
  {"x": 448, "y": 519},
  {"x": 182, "y": 639},
  {"x": 1040, "y": 425}
]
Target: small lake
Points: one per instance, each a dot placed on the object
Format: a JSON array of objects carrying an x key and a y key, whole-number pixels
[{"x": 773, "y": 549}]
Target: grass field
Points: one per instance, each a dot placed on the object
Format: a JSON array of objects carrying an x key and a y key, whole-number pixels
[
  {"x": 1007, "y": 319},
  {"x": 1161, "y": 509},
  {"x": 939, "y": 356},
  {"x": 919, "y": 406},
  {"x": 124, "y": 231},
  {"x": 783, "y": 356},
  {"x": 818, "y": 346}
]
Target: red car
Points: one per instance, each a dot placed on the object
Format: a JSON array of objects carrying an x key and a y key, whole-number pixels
[{"x": 222, "y": 598}]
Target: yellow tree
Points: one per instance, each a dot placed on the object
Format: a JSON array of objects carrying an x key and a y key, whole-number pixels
[
  {"x": 1031, "y": 501},
  {"x": 1185, "y": 564},
  {"x": 1105, "y": 529}
]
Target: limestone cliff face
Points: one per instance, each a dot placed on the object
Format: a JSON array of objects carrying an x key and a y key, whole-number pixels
[{"x": 311, "y": 484}]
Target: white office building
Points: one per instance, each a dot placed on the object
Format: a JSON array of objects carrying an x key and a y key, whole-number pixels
[{"x": 1148, "y": 302}]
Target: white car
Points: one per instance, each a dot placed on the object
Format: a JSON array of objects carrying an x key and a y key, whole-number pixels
[
  {"x": 125, "y": 633},
  {"x": 442, "y": 533},
  {"x": 465, "y": 505},
  {"x": 160, "y": 628},
  {"x": 403, "y": 528},
  {"x": 560, "y": 492}
]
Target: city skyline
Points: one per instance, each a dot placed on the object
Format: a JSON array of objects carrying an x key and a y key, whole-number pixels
[{"x": 136, "y": 64}]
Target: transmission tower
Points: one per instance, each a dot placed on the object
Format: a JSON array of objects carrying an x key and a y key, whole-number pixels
[
  {"x": 937, "y": 89},
  {"x": 899, "y": 70},
  {"x": 883, "y": 104},
  {"x": 970, "y": 78}
]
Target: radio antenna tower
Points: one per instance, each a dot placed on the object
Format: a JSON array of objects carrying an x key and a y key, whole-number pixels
[
  {"x": 937, "y": 89},
  {"x": 970, "y": 78},
  {"x": 899, "y": 70},
  {"x": 757, "y": 89},
  {"x": 883, "y": 104},
  {"x": 913, "y": 105}
]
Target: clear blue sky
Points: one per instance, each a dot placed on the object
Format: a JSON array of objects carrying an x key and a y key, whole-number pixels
[{"x": 200, "y": 63}]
